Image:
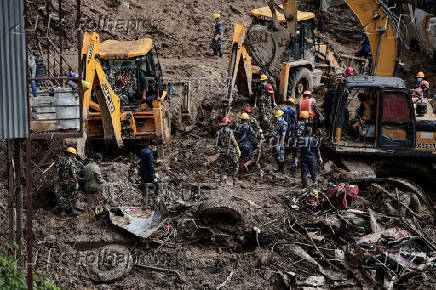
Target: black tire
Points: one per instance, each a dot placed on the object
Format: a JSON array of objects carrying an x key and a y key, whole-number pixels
[
  {"x": 300, "y": 79},
  {"x": 175, "y": 109},
  {"x": 223, "y": 211},
  {"x": 121, "y": 268}
]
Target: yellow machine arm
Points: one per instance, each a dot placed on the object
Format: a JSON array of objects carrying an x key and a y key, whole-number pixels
[
  {"x": 381, "y": 34},
  {"x": 237, "y": 70},
  {"x": 108, "y": 101}
]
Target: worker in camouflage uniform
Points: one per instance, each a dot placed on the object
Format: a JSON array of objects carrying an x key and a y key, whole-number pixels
[
  {"x": 278, "y": 140},
  {"x": 265, "y": 108},
  {"x": 228, "y": 151},
  {"x": 68, "y": 181},
  {"x": 93, "y": 183}
]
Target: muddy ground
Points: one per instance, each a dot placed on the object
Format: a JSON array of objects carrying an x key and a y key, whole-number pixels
[{"x": 206, "y": 254}]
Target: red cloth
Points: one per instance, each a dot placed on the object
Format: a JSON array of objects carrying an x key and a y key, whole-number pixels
[{"x": 342, "y": 195}]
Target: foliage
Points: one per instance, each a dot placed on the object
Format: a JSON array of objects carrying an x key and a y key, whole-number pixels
[{"x": 12, "y": 279}]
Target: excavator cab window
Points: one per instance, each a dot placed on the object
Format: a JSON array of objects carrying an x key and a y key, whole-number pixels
[
  {"x": 303, "y": 45},
  {"x": 397, "y": 120}
]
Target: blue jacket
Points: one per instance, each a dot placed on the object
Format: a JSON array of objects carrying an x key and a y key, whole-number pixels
[
  {"x": 147, "y": 163},
  {"x": 245, "y": 133},
  {"x": 218, "y": 28},
  {"x": 308, "y": 147},
  {"x": 290, "y": 115}
]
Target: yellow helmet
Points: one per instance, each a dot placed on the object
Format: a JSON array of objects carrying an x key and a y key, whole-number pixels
[
  {"x": 304, "y": 114},
  {"x": 215, "y": 16},
  {"x": 263, "y": 77},
  {"x": 279, "y": 113},
  {"x": 71, "y": 150},
  {"x": 291, "y": 100},
  {"x": 420, "y": 75},
  {"x": 245, "y": 116}
]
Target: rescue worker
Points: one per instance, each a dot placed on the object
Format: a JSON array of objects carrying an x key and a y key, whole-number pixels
[
  {"x": 290, "y": 116},
  {"x": 93, "y": 183},
  {"x": 307, "y": 152},
  {"x": 261, "y": 88},
  {"x": 419, "y": 78},
  {"x": 308, "y": 104},
  {"x": 228, "y": 151},
  {"x": 297, "y": 134},
  {"x": 418, "y": 93},
  {"x": 252, "y": 121},
  {"x": 328, "y": 102},
  {"x": 148, "y": 172},
  {"x": 245, "y": 135},
  {"x": 365, "y": 50},
  {"x": 425, "y": 86},
  {"x": 265, "y": 108},
  {"x": 68, "y": 181},
  {"x": 278, "y": 141},
  {"x": 216, "y": 42},
  {"x": 349, "y": 72}
]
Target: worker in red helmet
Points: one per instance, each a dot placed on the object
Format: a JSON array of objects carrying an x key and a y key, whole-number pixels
[
  {"x": 349, "y": 72},
  {"x": 252, "y": 121},
  {"x": 229, "y": 152},
  {"x": 266, "y": 102}
]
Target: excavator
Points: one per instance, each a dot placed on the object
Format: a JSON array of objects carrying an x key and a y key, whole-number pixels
[
  {"x": 397, "y": 149},
  {"x": 125, "y": 95},
  {"x": 281, "y": 42}
]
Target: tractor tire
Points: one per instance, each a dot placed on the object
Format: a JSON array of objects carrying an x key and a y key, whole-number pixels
[
  {"x": 175, "y": 109},
  {"x": 300, "y": 80},
  {"x": 219, "y": 211},
  {"x": 119, "y": 270}
]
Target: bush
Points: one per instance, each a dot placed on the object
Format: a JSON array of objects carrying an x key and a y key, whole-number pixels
[{"x": 11, "y": 278}]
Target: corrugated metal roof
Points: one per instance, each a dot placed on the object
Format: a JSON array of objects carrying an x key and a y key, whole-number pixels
[{"x": 13, "y": 98}]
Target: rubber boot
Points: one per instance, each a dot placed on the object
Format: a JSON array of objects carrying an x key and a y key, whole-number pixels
[
  {"x": 223, "y": 178},
  {"x": 235, "y": 179}
]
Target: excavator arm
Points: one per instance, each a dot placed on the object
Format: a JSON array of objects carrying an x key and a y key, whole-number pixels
[
  {"x": 373, "y": 16},
  {"x": 108, "y": 101}
]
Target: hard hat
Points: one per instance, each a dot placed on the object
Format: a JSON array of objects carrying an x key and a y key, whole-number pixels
[
  {"x": 245, "y": 116},
  {"x": 71, "y": 150},
  {"x": 225, "y": 120},
  {"x": 307, "y": 93},
  {"x": 425, "y": 84},
  {"x": 420, "y": 75},
  {"x": 279, "y": 113},
  {"x": 350, "y": 70},
  {"x": 263, "y": 77},
  {"x": 215, "y": 16},
  {"x": 291, "y": 100},
  {"x": 270, "y": 89},
  {"x": 247, "y": 109},
  {"x": 304, "y": 114}
]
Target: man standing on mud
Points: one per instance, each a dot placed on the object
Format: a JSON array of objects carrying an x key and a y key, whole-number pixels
[
  {"x": 216, "y": 42},
  {"x": 147, "y": 171},
  {"x": 93, "y": 183},
  {"x": 228, "y": 151},
  {"x": 68, "y": 182}
]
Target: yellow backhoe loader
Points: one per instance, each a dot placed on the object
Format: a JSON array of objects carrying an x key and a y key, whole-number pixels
[
  {"x": 125, "y": 96},
  {"x": 281, "y": 41}
]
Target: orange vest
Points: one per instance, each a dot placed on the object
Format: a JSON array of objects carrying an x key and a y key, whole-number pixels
[{"x": 307, "y": 105}]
